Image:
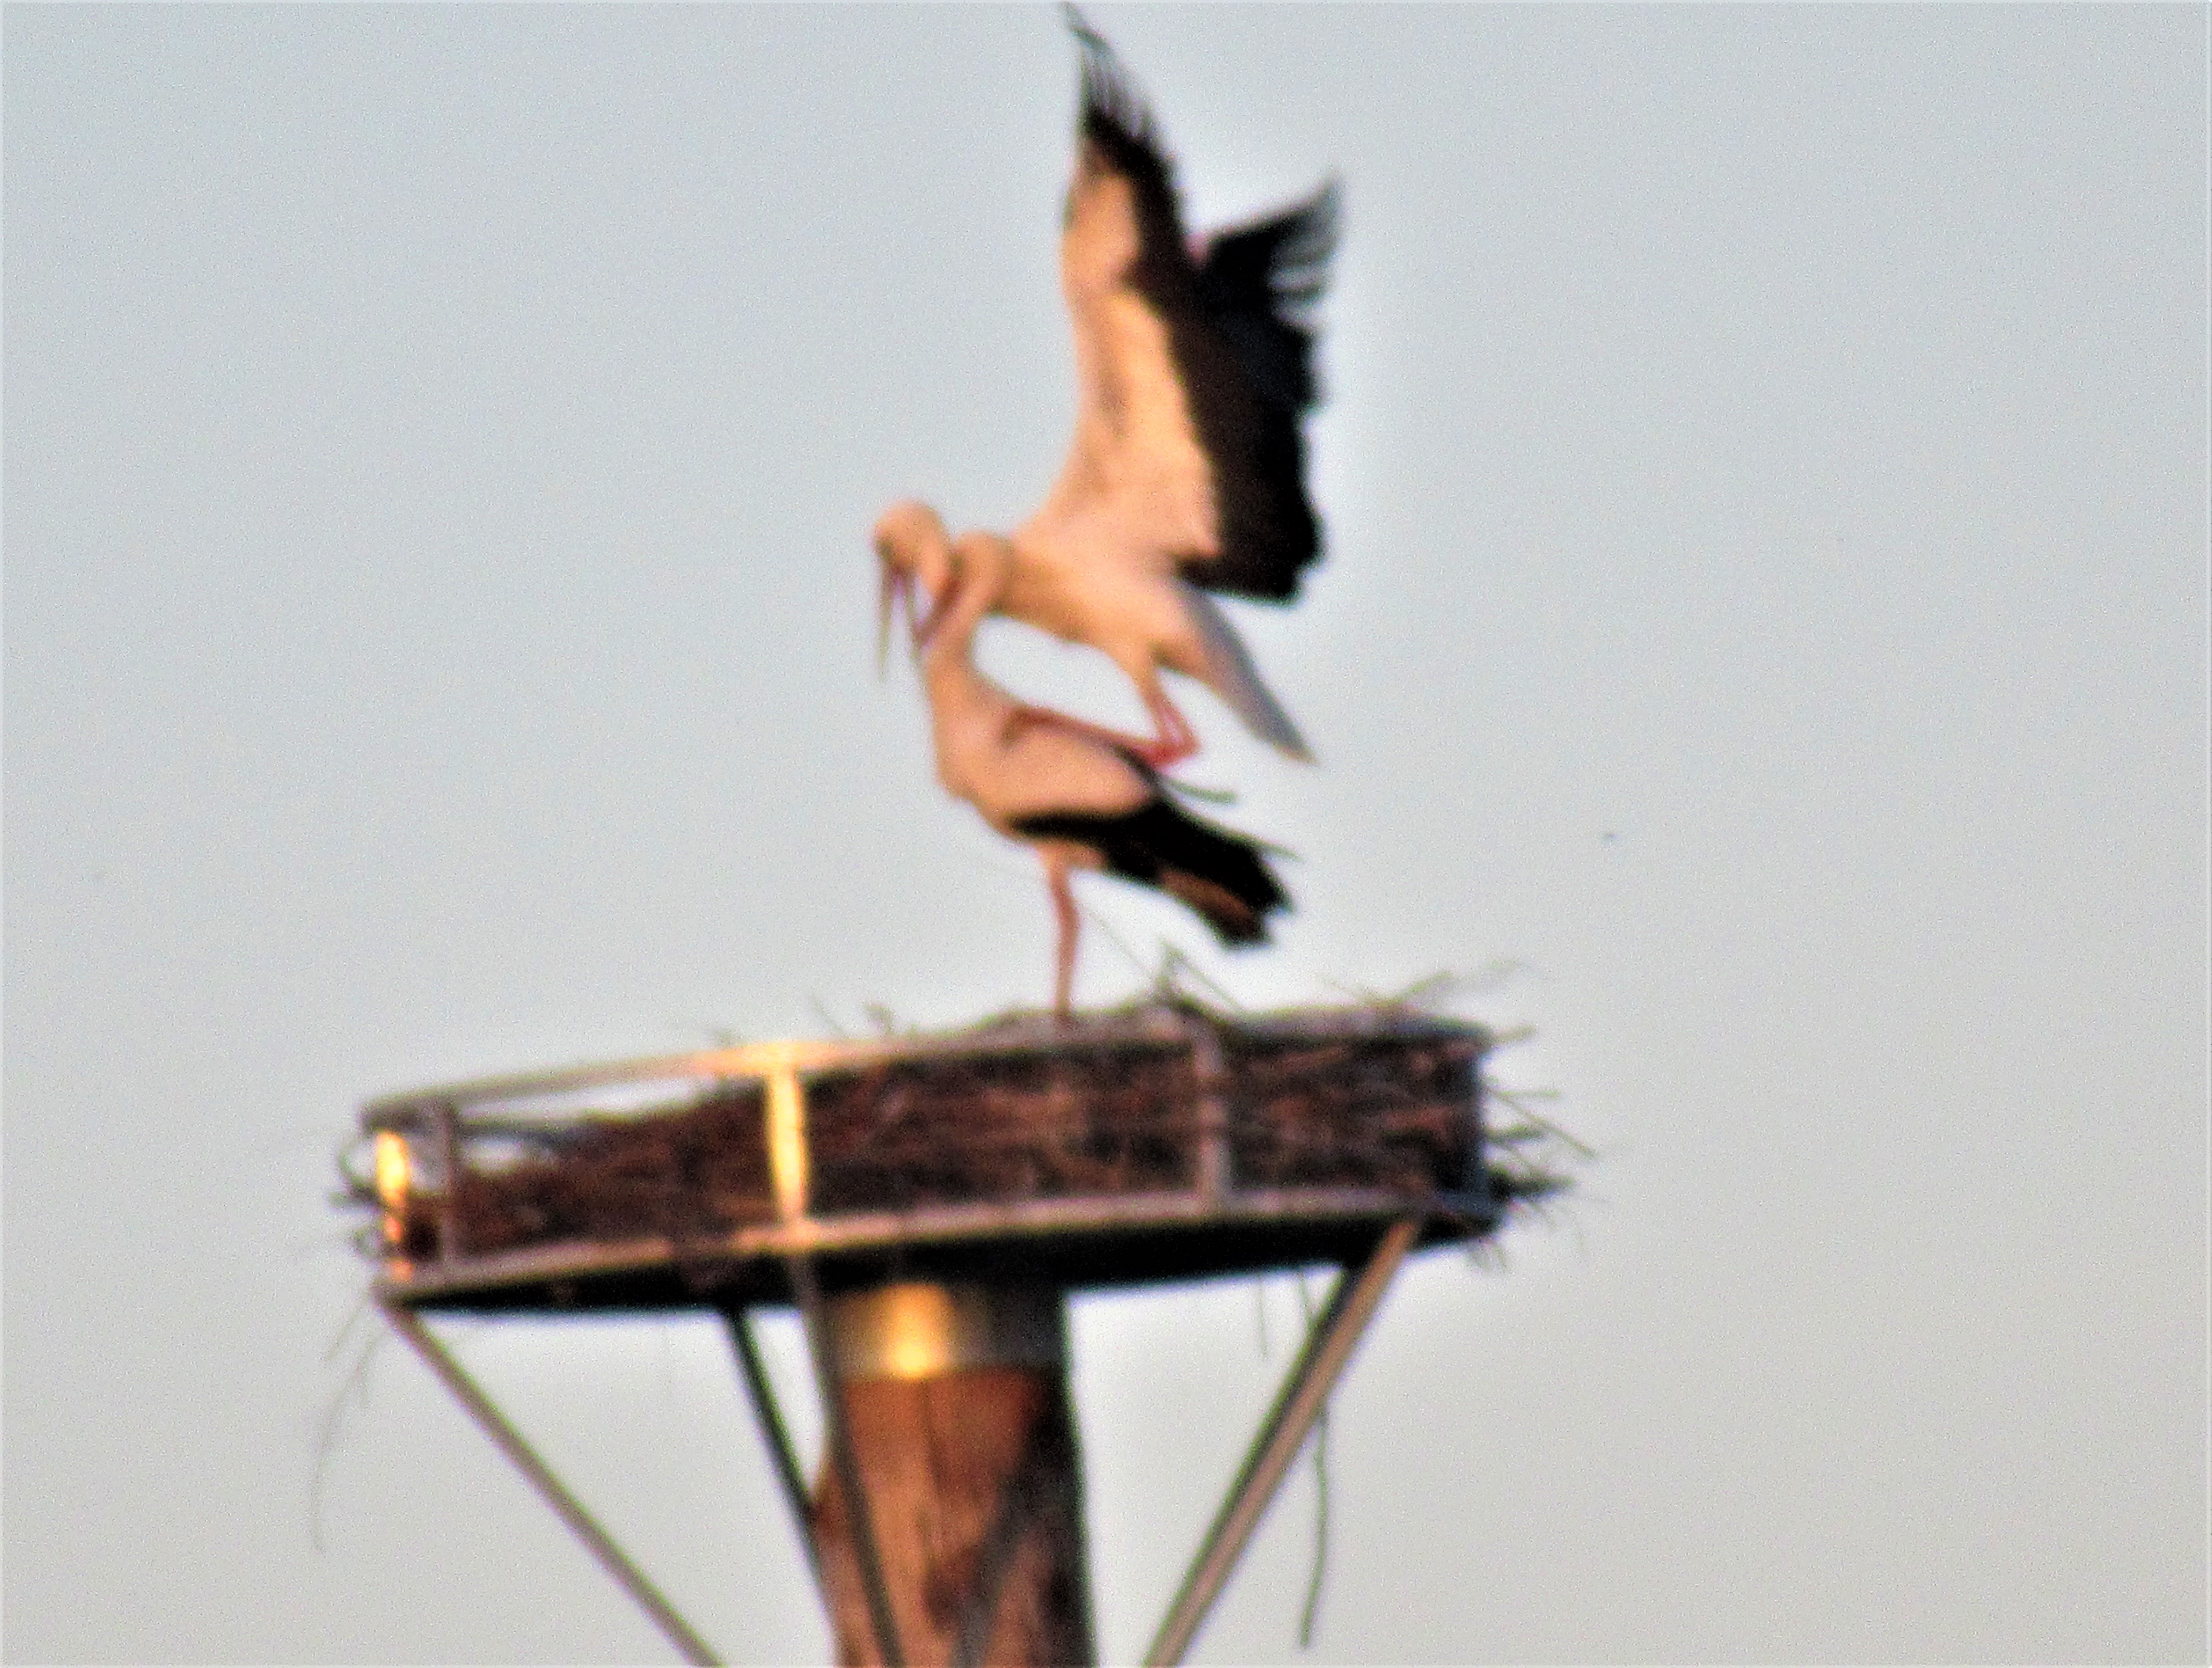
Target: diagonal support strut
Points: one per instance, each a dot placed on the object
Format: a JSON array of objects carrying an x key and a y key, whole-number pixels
[
  {"x": 1305, "y": 1391},
  {"x": 511, "y": 1442},
  {"x": 768, "y": 1415}
]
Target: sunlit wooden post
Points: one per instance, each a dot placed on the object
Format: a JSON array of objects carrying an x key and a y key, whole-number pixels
[{"x": 957, "y": 1398}]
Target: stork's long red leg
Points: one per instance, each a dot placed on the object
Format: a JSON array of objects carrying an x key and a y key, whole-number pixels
[
  {"x": 1071, "y": 924},
  {"x": 1177, "y": 740}
]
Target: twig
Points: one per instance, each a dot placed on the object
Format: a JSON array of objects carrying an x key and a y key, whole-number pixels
[
  {"x": 1518, "y": 1101},
  {"x": 1172, "y": 961},
  {"x": 356, "y": 1383}
]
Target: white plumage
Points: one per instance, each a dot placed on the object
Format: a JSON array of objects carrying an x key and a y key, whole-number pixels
[{"x": 1186, "y": 474}]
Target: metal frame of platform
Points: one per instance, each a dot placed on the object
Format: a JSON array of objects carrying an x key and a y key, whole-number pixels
[{"x": 1211, "y": 1227}]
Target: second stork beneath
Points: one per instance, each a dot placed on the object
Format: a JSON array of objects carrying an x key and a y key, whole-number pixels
[{"x": 1080, "y": 801}]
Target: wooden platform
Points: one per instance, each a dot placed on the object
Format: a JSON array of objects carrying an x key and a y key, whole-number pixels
[{"x": 1160, "y": 1142}]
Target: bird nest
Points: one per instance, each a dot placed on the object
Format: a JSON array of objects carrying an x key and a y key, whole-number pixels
[{"x": 1151, "y": 1117}]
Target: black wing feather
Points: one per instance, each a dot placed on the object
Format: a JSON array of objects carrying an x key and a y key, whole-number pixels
[
  {"x": 1260, "y": 282},
  {"x": 1116, "y": 119},
  {"x": 1238, "y": 331}
]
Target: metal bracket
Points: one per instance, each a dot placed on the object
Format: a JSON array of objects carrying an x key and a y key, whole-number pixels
[
  {"x": 1329, "y": 1343},
  {"x": 566, "y": 1505},
  {"x": 1210, "y": 1071}
]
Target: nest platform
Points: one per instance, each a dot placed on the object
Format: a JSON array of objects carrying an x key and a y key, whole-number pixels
[{"x": 1159, "y": 1143}]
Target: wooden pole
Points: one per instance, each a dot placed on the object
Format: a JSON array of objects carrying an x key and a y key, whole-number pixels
[{"x": 956, "y": 1400}]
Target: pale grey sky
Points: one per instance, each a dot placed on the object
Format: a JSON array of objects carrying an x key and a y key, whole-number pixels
[{"x": 440, "y": 446}]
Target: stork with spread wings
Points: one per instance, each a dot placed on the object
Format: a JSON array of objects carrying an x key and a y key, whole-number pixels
[{"x": 1194, "y": 364}]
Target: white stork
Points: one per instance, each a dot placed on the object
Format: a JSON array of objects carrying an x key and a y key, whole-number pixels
[
  {"x": 1187, "y": 472},
  {"x": 1080, "y": 801}
]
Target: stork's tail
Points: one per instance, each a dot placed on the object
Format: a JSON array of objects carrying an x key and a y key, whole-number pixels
[
  {"x": 1237, "y": 682},
  {"x": 1221, "y": 876}
]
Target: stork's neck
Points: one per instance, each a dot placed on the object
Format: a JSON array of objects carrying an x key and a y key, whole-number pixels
[{"x": 948, "y": 662}]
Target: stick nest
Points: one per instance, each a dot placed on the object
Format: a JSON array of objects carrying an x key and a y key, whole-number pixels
[{"x": 1380, "y": 1096}]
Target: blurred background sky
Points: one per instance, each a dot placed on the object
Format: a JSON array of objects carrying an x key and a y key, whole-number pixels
[{"x": 1762, "y": 639}]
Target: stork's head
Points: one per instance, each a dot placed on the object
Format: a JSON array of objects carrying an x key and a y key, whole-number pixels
[
  {"x": 984, "y": 560},
  {"x": 912, "y": 548}
]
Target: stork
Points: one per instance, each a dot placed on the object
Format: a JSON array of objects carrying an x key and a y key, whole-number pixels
[
  {"x": 1187, "y": 472},
  {"x": 1080, "y": 801}
]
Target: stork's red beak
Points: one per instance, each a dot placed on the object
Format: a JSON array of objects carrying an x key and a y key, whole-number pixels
[
  {"x": 925, "y": 627},
  {"x": 897, "y": 588}
]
